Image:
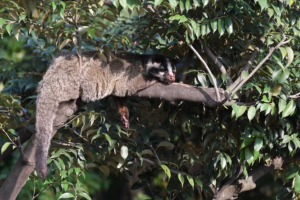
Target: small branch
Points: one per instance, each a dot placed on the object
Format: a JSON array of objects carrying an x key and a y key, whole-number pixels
[
  {"x": 41, "y": 191},
  {"x": 155, "y": 153},
  {"x": 248, "y": 65},
  {"x": 295, "y": 96},
  {"x": 272, "y": 49},
  {"x": 217, "y": 62}
]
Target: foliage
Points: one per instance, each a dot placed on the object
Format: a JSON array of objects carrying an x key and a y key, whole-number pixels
[{"x": 174, "y": 148}]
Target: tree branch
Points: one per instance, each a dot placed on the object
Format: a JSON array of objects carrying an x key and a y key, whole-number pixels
[
  {"x": 21, "y": 171},
  {"x": 181, "y": 92},
  {"x": 248, "y": 65},
  {"x": 217, "y": 62},
  {"x": 242, "y": 185},
  {"x": 272, "y": 49}
]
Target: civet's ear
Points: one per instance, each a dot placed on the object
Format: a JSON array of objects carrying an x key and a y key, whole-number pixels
[{"x": 157, "y": 59}]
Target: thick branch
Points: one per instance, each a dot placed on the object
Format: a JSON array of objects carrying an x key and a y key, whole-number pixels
[
  {"x": 242, "y": 185},
  {"x": 217, "y": 62},
  {"x": 181, "y": 92},
  {"x": 21, "y": 171}
]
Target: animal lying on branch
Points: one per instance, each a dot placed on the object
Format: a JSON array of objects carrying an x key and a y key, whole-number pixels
[{"x": 93, "y": 78}]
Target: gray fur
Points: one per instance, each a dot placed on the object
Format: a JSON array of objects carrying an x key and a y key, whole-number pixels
[{"x": 95, "y": 79}]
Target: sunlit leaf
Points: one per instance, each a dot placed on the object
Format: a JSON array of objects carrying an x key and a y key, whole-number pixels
[
  {"x": 4, "y": 146},
  {"x": 289, "y": 109},
  {"x": 181, "y": 179},
  {"x": 66, "y": 196},
  {"x": 124, "y": 152},
  {"x": 190, "y": 180},
  {"x": 290, "y": 56},
  {"x": 251, "y": 113}
]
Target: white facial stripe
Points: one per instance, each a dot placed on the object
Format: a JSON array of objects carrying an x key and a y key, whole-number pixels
[{"x": 169, "y": 66}]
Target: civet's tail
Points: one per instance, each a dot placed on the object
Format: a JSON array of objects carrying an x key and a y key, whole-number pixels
[{"x": 45, "y": 115}]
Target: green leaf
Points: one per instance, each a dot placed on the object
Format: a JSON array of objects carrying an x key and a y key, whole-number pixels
[
  {"x": 290, "y": 56},
  {"x": 292, "y": 172},
  {"x": 85, "y": 195},
  {"x": 283, "y": 52},
  {"x": 181, "y": 18},
  {"x": 223, "y": 162},
  {"x": 123, "y": 3},
  {"x": 188, "y": 5},
  {"x": 258, "y": 144},
  {"x": 66, "y": 196},
  {"x": 246, "y": 142},
  {"x": 8, "y": 28},
  {"x": 248, "y": 156},
  {"x": 157, "y": 2},
  {"x": 221, "y": 27},
  {"x": 91, "y": 32},
  {"x": 214, "y": 25},
  {"x": 286, "y": 139},
  {"x": 205, "y": 2},
  {"x": 251, "y": 113},
  {"x": 12, "y": 131},
  {"x": 281, "y": 105},
  {"x": 289, "y": 109},
  {"x": 263, "y": 4},
  {"x": 2, "y": 22},
  {"x": 242, "y": 110},
  {"x": 229, "y": 26},
  {"x": 283, "y": 77},
  {"x": 124, "y": 152},
  {"x": 167, "y": 170},
  {"x": 4, "y": 146},
  {"x": 181, "y": 179},
  {"x": 199, "y": 182},
  {"x": 173, "y": 4},
  {"x": 297, "y": 183},
  {"x": 190, "y": 180}
]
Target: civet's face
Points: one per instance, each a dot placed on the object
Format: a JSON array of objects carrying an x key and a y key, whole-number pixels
[{"x": 161, "y": 68}]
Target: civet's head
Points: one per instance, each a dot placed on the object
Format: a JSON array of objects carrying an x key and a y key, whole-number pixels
[{"x": 161, "y": 67}]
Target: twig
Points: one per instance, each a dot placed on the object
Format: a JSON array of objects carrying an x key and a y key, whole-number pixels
[
  {"x": 248, "y": 65},
  {"x": 272, "y": 49},
  {"x": 295, "y": 96},
  {"x": 194, "y": 50},
  {"x": 207, "y": 68},
  {"x": 41, "y": 191},
  {"x": 217, "y": 62},
  {"x": 155, "y": 153}
]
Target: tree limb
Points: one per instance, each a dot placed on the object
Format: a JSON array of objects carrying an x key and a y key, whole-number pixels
[
  {"x": 21, "y": 171},
  {"x": 181, "y": 92},
  {"x": 242, "y": 185}
]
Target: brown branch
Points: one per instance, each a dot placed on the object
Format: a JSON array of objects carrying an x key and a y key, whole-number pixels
[
  {"x": 248, "y": 65},
  {"x": 217, "y": 62},
  {"x": 21, "y": 171},
  {"x": 182, "y": 92},
  {"x": 272, "y": 49},
  {"x": 242, "y": 185}
]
